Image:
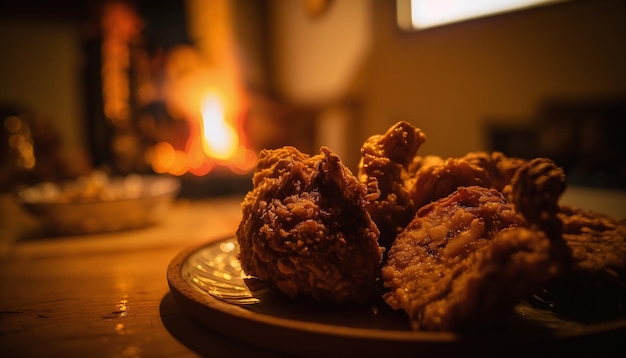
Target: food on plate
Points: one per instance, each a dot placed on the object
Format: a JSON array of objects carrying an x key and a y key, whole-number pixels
[
  {"x": 405, "y": 181},
  {"x": 469, "y": 258},
  {"x": 434, "y": 180},
  {"x": 305, "y": 230},
  {"x": 595, "y": 287},
  {"x": 383, "y": 168},
  {"x": 456, "y": 243}
]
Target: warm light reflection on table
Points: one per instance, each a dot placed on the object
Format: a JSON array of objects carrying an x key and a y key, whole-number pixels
[{"x": 106, "y": 295}]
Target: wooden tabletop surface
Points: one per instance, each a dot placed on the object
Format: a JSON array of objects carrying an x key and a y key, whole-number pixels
[{"x": 106, "y": 295}]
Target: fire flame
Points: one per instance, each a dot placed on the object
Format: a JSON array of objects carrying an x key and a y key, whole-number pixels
[
  {"x": 203, "y": 84},
  {"x": 219, "y": 138},
  {"x": 213, "y": 141}
]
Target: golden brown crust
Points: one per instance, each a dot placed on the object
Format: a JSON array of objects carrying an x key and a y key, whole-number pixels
[
  {"x": 403, "y": 181},
  {"x": 466, "y": 260},
  {"x": 385, "y": 160},
  {"x": 305, "y": 230}
]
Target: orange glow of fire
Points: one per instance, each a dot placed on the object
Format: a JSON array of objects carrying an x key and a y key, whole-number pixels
[
  {"x": 203, "y": 84},
  {"x": 213, "y": 141},
  {"x": 219, "y": 138}
]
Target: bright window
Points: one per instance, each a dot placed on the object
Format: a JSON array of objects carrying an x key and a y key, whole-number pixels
[{"x": 421, "y": 14}]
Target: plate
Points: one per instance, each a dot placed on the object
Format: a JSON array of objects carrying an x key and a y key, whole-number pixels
[{"x": 208, "y": 284}]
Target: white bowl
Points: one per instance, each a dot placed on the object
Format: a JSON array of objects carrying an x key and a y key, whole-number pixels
[{"x": 99, "y": 204}]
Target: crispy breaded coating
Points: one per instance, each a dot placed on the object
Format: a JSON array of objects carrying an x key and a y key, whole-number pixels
[
  {"x": 385, "y": 160},
  {"x": 500, "y": 168},
  {"x": 595, "y": 288},
  {"x": 535, "y": 190},
  {"x": 305, "y": 229},
  {"x": 466, "y": 260},
  {"x": 439, "y": 179},
  {"x": 440, "y": 269},
  {"x": 405, "y": 181}
]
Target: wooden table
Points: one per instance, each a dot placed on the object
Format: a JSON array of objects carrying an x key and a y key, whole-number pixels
[{"x": 106, "y": 295}]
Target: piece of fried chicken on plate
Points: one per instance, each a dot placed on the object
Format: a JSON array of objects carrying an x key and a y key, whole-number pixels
[
  {"x": 383, "y": 168},
  {"x": 467, "y": 259},
  {"x": 405, "y": 181},
  {"x": 305, "y": 230}
]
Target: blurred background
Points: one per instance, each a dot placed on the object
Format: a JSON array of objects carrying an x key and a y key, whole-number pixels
[{"x": 195, "y": 89}]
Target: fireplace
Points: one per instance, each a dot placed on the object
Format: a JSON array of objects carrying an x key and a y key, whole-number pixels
[{"x": 172, "y": 96}]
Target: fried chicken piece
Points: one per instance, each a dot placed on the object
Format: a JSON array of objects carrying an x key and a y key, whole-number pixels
[
  {"x": 595, "y": 288},
  {"x": 535, "y": 190},
  {"x": 500, "y": 168},
  {"x": 438, "y": 181},
  {"x": 383, "y": 169},
  {"x": 489, "y": 170},
  {"x": 305, "y": 229},
  {"x": 404, "y": 181},
  {"x": 467, "y": 259}
]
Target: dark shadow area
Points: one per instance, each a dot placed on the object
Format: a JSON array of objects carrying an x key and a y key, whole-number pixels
[
  {"x": 201, "y": 340},
  {"x": 585, "y": 137}
]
